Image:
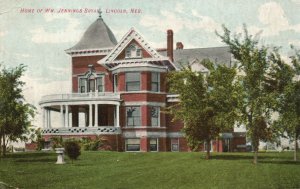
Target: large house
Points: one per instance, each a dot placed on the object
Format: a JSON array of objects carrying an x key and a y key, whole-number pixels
[{"x": 119, "y": 93}]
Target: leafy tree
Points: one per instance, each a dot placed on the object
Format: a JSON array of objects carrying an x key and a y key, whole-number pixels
[
  {"x": 207, "y": 103},
  {"x": 72, "y": 149},
  {"x": 15, "y": 113},
  {"x": 258, "y": 97},
  {"x": 289, "y": 98}
]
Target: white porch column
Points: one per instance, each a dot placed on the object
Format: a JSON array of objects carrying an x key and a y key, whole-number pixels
[
  {"x": 67, "y": 116},
  {"x": 61, "y": 115},
  {"x": 118, "y": 115},
  {"x": 43, "y": 118},
  {"x": 96, "y": 115},
  {"x": 90, "y": 115},
  {"x": 49, "y": 119}
]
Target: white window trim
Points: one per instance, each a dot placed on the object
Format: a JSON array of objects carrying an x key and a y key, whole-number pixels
[
  {"x": 177, "y": 144},
  {"x": 140, "y": 117},
  {"x": 86, "y": 82},
  {"x": 157, "y": 145},
  {"x": 140, "y": 82},
  {"x": 158, "y": 87},
  {"x": 158, "y": 124},
  {"x": 131, "y": 52},
  {"x": 115, "y": 78},
  {"x": 126, "y": 145}
]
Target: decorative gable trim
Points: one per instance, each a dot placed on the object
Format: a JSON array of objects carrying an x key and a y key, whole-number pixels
[{"x": 132, "y": 34}]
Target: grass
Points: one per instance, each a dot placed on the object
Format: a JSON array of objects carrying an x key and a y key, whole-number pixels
[{"x": 150, "y": 170}]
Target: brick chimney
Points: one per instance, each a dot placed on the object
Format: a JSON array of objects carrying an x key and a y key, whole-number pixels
[
  {"x": 170, "y": 44},
  {"x": 179, "y": 45}
]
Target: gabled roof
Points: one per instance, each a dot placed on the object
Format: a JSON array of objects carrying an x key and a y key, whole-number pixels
[
  {"x": 218, "y": 55},
  {"x": 97, "y": 36},
  {"x": 110, "y": 61},
  {"x": 132, "y": 34}
]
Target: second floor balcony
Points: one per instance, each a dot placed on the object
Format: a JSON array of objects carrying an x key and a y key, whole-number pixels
[{"x": 75, "y": 97}]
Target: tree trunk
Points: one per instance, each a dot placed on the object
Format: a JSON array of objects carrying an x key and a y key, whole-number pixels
[
  {"x": 255, "y": 157},
  {"x": 0, "y": 145},
  {"x": 255, "y": 146},
  {"x": 296, "y": 147},
  {"x": 3, "y": 146},
  {"x": 208, "y": 150}
]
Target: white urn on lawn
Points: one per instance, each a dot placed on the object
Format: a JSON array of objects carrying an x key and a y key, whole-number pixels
[{"x": 60, "y": 155}]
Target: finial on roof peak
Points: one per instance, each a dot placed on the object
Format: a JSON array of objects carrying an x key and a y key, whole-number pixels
[{"x": 100, "y": 13}]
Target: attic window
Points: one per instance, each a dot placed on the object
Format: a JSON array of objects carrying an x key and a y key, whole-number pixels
[{"x": 133, "y": 51}]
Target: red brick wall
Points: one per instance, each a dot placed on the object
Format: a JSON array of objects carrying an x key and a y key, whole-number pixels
[
  {"x": 80, "y": 66},
  {"x": 162, "y": 142},
  {"x": 163, "y": 83},
  {"x": 121, "y": 82},
  {"x": 144, "y": 147},
  {"x": 145, "y": 115},
  {"x": 130, "y": 97}
]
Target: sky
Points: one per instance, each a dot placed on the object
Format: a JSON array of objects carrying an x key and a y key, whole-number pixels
[{"x": 38, "y": 39}]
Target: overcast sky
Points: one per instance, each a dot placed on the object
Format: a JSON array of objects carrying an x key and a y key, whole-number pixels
[{"x": 39, "y": 39}]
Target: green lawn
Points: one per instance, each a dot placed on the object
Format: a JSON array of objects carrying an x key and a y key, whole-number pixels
[{"x": 150, "y": 170}]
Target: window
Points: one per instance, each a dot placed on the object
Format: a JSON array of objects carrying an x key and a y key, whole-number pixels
[
  {"x": 133, "y": 116},
  {"x": 132, "y": 145},
  {"x": 115, "y": 79},
  {"x": 153, "y": 144},
  {"x": 154, "y": 116},
  {"x": 139, "y": 52},
  {"x": 133, "y": 51},
  {"x": 133, "y": 81},
  {"x": 91, "y": 85},
  {"x": 82, "y": 85},
  {"x": 174, "y": 145},
  {"x": 100, "y": 84},
  {"x": 155, "y": 82}
]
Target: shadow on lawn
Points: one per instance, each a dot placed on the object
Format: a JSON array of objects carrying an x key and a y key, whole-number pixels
[
  {"x": 291, "y": 162},
  {"x": 245, "y": 157},
  {"x": 28, "y": 155},
  {"x": 37, "y": 160}
]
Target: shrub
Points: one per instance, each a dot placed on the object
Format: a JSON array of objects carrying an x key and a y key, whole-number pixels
[
  {"x": 57, "y": 142},
  {"x": 72, "y": 149},
  {"x": 40, "y": 144},
  {"x": 89, "y": 144}
]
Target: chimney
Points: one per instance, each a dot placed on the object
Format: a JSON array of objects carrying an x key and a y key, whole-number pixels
[
  {"x": 170, "y": 44},
  {"x": 179, "y": 45}
]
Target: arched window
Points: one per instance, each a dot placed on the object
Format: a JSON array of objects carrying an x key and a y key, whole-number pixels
[
  {"x": 133, "y": 51},
  {"x": 91, "y": 83}
]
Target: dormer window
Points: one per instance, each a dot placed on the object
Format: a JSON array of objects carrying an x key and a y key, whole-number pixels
[{"x": 133, "y": 51}]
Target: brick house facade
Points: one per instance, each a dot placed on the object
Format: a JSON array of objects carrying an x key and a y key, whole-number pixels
[{"x": 119, "y": 93}]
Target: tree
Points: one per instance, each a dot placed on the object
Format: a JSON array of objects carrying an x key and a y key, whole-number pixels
[
  {"x": 207, "y": 103},
  {"x": 289, "y": 98},
  {"x": 257, "y": 99},
  {"x": 15, "y": 113},
  {"x": 72, "y": 149}
]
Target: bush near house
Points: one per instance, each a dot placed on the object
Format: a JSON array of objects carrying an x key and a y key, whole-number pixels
[
  {"x": 72, "y": 149},
  {"x": 89, "y": 144}
]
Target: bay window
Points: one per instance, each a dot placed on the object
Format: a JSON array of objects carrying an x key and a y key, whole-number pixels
[
  {"x": 133, "y": 116},
  {"x": 155, "y": 82},
  {"x": 154, "y": 116},
  {"x": 133, "y": 81}
]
